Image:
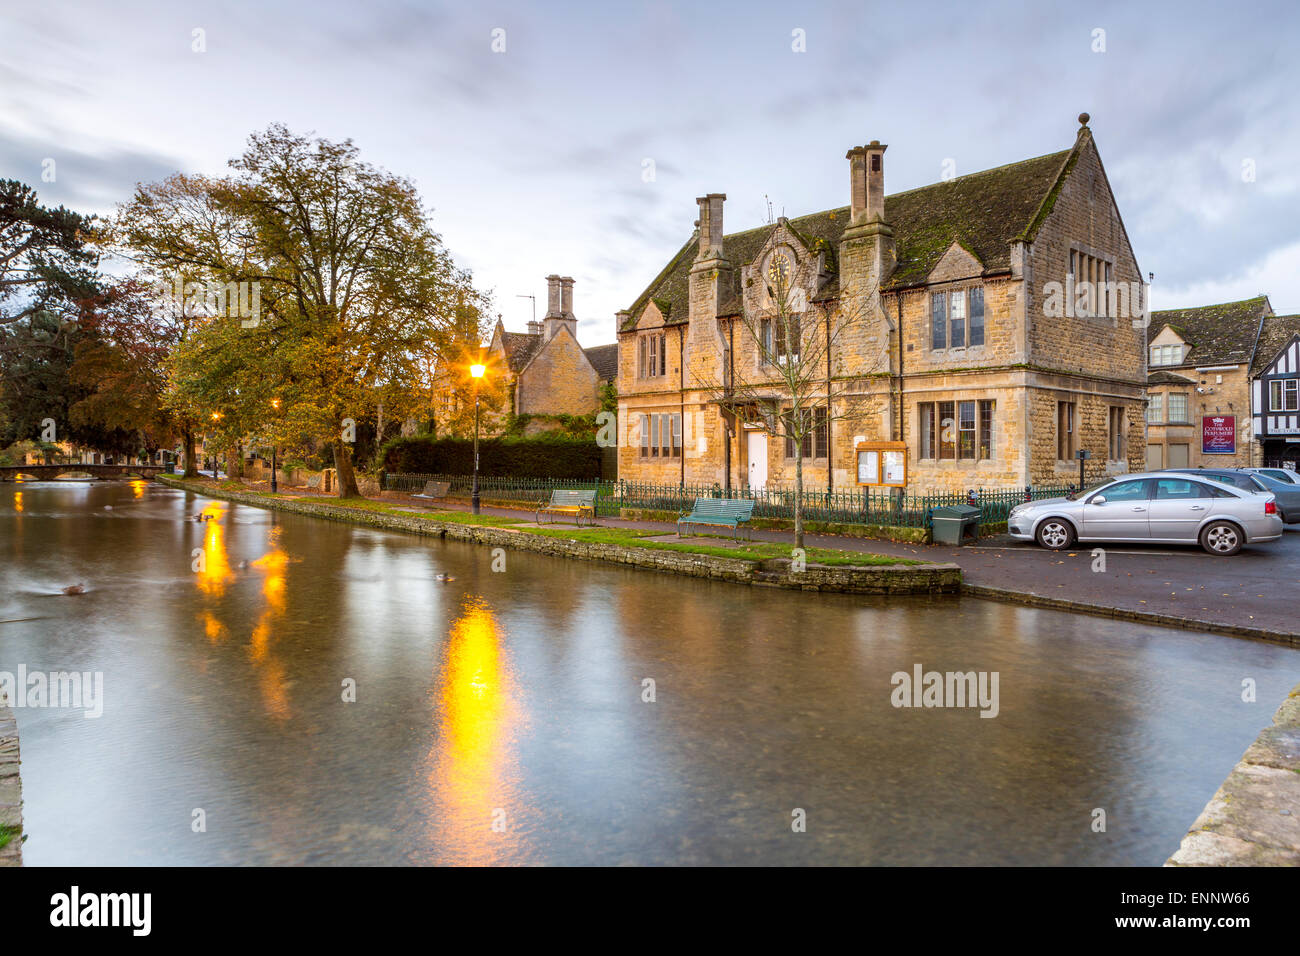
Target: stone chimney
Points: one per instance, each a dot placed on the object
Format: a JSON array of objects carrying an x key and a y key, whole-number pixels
[
  {"x": 867, "y": 183},
  {"x": 534, "y": 326},
  {"x": 553, "y": 294},
  {"x": 559, "y": 311},
  {"x": 710, "y": 226},
  {"x": 867, "y": 251},
  {"x": 621, "y": 319},
  {"x": 566, "y": 297}
]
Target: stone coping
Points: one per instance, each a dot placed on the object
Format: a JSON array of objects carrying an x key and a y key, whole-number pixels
[
  {"x": 1254, "y": 818},
  {"x": 887, "y": 579},
  {"x": 1128, "y": 614},
  {"x": 11, "y": 788}
]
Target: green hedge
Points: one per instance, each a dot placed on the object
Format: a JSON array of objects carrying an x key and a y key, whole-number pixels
[{"x": 545, "y": 456}]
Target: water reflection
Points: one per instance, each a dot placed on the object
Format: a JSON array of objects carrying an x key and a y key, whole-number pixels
[
  {"x": 272, "y": 672},
  {"x": 523, "y": 693},
  {"x": 214, "y": 568},
  {"x": 473, "y": 776}
]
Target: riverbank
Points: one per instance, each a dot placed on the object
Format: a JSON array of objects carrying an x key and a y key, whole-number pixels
[
  {"x": 1254, "y": 818},
  {"x": 757, "y": 563},
  {"x": 11, "y": 790}
]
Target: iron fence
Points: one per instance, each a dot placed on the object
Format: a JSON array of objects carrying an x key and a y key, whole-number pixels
[{"x": 856, "y": 506}]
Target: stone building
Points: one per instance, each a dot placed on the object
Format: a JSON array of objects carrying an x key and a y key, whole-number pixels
[
  {"x": 993, "y": 325},
  {"x": 1275, "y": 393},
  {"x": 547, "y": 371},
  {"x": 1199, "y": 364}
]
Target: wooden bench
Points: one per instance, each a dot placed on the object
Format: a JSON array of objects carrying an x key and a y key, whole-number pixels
[
  {"x": 722, "y": 512},
  {"x": 577, "y": 503},
  {"x": 434, "y": 490}
]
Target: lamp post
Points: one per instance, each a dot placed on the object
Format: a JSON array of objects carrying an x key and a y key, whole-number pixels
[
  {"x": 476, "y": 372},
  {"x": 275, "y": 403}
]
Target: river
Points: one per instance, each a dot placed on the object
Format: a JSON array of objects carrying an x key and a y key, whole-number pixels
[{"x": 506, "y": 716}]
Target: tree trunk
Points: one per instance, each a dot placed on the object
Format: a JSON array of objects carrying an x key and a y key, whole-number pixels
[
  {"x": 798, "y": 492},
  {"x": 234, "y": 463},
  {"x": 187, "y": 442},
  {"x": 343, "y": 466}
]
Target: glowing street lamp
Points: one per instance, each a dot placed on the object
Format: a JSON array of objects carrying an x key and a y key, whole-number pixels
[
  {"x": 275, "y": 403},
  {"x": 476, "y": 371}
]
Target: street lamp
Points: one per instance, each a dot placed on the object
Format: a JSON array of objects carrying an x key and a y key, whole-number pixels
[
  {"x": 275, "y": 403},
  {"x": 476, "y": 372}
]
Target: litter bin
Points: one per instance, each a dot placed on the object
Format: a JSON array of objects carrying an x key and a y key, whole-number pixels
[{"x": 952, "y": 522}]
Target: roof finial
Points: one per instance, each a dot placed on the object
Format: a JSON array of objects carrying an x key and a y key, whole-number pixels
[{"x": 1083, "y": 119}]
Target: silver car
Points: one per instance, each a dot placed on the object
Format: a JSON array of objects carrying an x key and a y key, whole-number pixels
[
  {"x": 1277, "y": 474},
  {"x": 1159, "y": 506}
]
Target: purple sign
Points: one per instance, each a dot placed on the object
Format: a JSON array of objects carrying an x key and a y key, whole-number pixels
[{"x": 1218, "y": 434}]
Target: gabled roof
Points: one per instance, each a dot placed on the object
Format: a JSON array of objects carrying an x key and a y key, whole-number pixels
[
  {"x": 1223, "y": 334},
  {"x": 519, "y": 348},
  {"x": 1276, "y": 335},
  {"x": 604, "y": 359},
  {"x": 983, "y": 211}
]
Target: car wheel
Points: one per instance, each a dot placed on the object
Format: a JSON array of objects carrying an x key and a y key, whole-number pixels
[
  {"x": 1055, "y": 534},
  {"x": 1222, "y": 538}
]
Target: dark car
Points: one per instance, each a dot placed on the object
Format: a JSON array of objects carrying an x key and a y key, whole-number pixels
[{"x": 1286, "y": 494}]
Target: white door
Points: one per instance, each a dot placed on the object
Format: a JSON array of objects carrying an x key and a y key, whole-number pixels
[{"x": 757, "y": 460}]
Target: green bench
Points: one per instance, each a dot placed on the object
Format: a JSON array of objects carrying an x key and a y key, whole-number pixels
[
  {"x": 578, "y": 504},
  {"x": 723, "y": 512}
]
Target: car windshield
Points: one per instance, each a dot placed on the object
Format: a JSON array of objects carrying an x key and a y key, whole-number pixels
[{"x": 1090, "y": 489}]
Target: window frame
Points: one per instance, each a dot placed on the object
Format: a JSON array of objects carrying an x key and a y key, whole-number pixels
[
  {"x": 1278, "y": 388},
  {"x": 971, "y": 421},
  {"x": 1067, "y": 438}
]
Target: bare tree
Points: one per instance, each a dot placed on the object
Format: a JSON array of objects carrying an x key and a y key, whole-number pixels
[{"x": 802, "y": 383}]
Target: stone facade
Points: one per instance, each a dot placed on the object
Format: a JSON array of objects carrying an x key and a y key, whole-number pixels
[
  {"x": 977, "y": 409},
  {"x": 1200, "y": 366},
  {"x": 547, "y": 372}
]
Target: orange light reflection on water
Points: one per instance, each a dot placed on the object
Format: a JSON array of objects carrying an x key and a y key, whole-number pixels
[{"x": 475, "y": 769}]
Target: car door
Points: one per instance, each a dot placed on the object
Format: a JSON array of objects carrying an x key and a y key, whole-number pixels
[
  {"x": 1119, "y": 512},
  {"x": 1178, "y": 506}
]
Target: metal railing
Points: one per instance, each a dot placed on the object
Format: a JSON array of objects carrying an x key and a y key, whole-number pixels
[{"x": 856, "y": 506}]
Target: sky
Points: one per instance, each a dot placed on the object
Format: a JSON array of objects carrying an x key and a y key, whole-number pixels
[{"x": 573, "y": 138}]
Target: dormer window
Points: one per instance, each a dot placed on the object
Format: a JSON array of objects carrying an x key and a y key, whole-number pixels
[{"x": 1166, "y": 354}]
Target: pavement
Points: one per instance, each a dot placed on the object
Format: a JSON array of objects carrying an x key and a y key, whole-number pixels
[{"x": 1254, "y": 593}]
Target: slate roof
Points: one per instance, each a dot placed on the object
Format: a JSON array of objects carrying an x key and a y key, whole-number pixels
[
  {"x": 1223, "y": 334},
  {"x": 1168, "y": 378},
  {"x": 519, "y": 348},
  {"x": 982, "y": 211},
  {"x": 604, "y": 359},
  {"x": 1276, "y": 335}
]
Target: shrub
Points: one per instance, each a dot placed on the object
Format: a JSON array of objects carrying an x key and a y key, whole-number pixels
[{"x": 545, "y": 456}]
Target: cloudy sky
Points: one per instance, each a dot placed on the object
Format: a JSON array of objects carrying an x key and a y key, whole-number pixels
[{"x": 536, "y": 158}]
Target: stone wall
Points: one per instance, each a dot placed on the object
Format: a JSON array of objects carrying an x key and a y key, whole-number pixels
[
  {"x": 558, "y": 381},
  {"x": 11, "y": 789},
  {"x": 1254, "y": 818},
  {"x": 902, "y": 579}
]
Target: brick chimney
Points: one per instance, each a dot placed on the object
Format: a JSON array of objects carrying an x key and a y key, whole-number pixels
[
  {"x": 559, "y": 311},
  {"x": 710, "y": 226}
]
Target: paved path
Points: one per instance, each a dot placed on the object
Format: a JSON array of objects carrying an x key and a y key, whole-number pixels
[{"x": 1255, "y": 592}]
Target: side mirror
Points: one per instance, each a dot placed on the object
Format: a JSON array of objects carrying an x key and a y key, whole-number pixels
[{"x": 1097, "y": 500}]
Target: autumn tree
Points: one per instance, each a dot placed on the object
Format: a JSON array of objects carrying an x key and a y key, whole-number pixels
[{"x": 355, "y": 288}]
